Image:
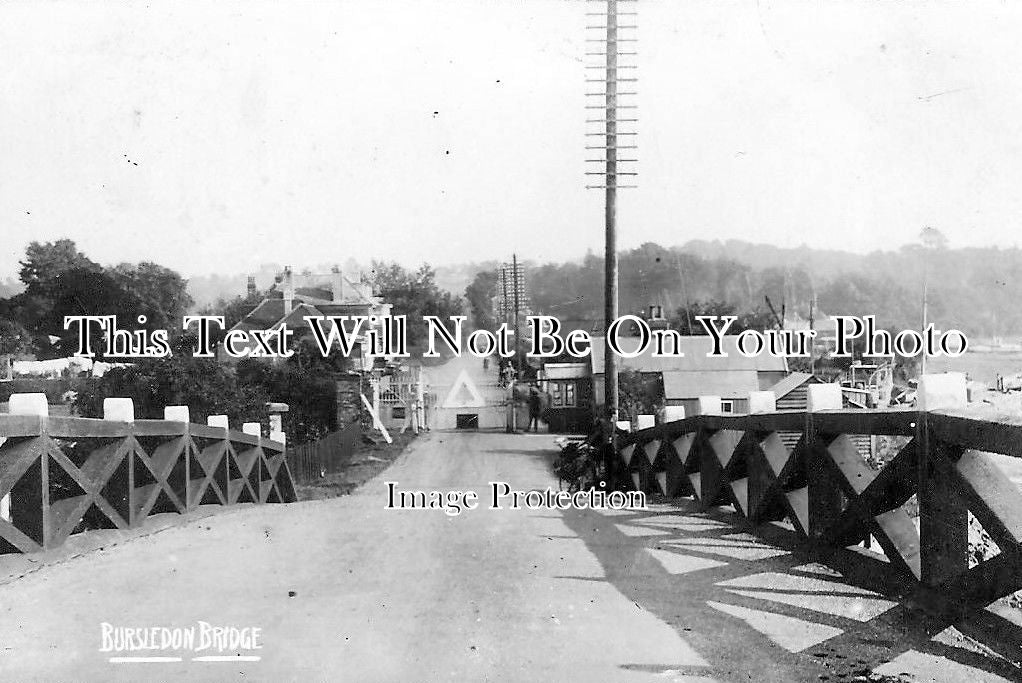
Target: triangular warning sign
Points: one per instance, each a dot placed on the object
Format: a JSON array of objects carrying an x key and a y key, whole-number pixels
[{"x": 464, "y": 394}]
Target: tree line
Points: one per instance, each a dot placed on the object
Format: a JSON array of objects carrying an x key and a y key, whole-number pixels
[
  {"x": 973, "y": 290},
  {"x": 59, "y": 280}
]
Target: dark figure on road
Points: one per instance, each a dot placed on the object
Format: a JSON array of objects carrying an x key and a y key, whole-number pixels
[{"x": 535, "y": 408}]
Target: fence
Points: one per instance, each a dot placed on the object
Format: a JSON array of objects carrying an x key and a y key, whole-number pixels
[
  {"x": 64, "y": 475},
  {"x": 832, "y": 497},
  {"x": 312, "y": 461}
]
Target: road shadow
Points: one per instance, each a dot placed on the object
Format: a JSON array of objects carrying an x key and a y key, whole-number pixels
[{"x": 758, "y": 602}]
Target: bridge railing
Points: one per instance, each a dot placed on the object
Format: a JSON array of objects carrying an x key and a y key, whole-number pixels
[
  {"x": 65, "y": 475},
  {"x": 916, "y": 506}
]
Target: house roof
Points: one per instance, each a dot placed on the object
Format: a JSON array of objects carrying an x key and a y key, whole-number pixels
[
  {"x": 792, "y": 382},
  {"x": 694, "y": 359},
  {"x": 723, "y": 383},
  {"x": 270, "y": 311},
  {"x": 345, "y": 308},
  {"x": 565, "y": 370},
  {"x": 264, "y": 316}
]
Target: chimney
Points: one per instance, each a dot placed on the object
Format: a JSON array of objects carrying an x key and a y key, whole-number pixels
[
  {"x": 289, "y": 290},
  {"x": 251, "y": 286},
  {"x": 336, "y": 284}
]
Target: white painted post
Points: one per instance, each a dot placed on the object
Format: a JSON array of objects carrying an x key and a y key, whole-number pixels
[
  {"x": 376, "y": 419},
  {"x": 708, "y": 405},
  {"x": 420, "y": 405},
  {"x": 28, "y": 404},
  {"x": 672, "y": 413},
  {"x": 218, "y": 421},
  {"x": 823, "y": 397},
  {"x": 762, "y": 402},
  {"x": 644, "y": 421},
  {"x": 375, "y": 383},
  {"x": 119, "y": 409},
  {"x": 176, "y": 414},
  {"x": 278, "y": 436},
  {"x": 253, "y": 428}
]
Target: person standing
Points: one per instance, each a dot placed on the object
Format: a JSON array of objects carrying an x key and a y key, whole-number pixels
[{"x": 535, "y": 408}]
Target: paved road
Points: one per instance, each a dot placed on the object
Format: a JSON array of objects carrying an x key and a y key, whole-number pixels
[{"x": 344, "y": 590}]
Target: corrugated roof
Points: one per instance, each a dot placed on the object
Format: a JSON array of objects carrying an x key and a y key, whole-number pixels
[
  {"x": 723, "y": 383},
  {"x": 695, "y": 349},
  {"x": 790, "y": 383}
]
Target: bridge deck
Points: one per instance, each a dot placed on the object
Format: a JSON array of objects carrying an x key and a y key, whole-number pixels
[{"x": 378, "y": 595}]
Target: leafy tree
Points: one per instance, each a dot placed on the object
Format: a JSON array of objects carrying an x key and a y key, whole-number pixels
[
  {"x": 161, "y": 293},
  {"x": 414, "y": 294},
  {"x": 61, "y": 281},
  {"x": 479, "y": 296},
  {"x": 82, "y": 291},
  {"x": 306, "y": 383},
  {"x": 42, "y": 267},
  {"x": 45, "y": 261},
  {"x": 14, "y": 338}
]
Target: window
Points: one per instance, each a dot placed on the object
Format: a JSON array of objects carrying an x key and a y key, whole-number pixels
[
  {"x": 727, "y": 406},
  {"x": 397, "y": 412},
  {"x": 562, "y": 394}
]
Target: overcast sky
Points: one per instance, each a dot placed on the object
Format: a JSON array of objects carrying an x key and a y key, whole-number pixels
[{"x": 218, "y": 136}]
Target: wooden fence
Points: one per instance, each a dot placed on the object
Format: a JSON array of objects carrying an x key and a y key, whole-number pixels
[
  {"x": 312, "y": 461},
  {"x": 832, "y": 497},
  {"x": 60, "y": 475}
]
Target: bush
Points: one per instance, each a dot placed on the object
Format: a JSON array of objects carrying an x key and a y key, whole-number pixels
[
  {"x": 205, "y": 386},
  {"x": 54, "y": 388}
]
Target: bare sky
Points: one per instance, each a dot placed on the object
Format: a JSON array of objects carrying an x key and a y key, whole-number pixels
[{"x": 218, "y": 136}]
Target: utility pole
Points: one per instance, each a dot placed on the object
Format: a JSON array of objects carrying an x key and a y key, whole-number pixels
[
  {"x": 514, "y": 275},
  {"x": 932, "y": 240},
  {"x": 610, "y": 215},
  {"x": 922, "y": 362},
  {"x": 503, "y": 301},
  {"x": 609, "y": 103},
  {"x": 684, "y": 294},
  {"x": 812, "y": 328}
]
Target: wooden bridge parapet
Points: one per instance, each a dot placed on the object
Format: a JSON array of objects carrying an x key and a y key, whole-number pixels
[
  {"x": 64, "y": 475},
  {"x": 832, "y": 496}
]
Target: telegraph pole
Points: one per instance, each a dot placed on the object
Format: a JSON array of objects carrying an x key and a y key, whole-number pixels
[
  {"x": 610, "y": 214},
  {"x": 610, "y": 104},
  {"x": 514, "y": 275}
]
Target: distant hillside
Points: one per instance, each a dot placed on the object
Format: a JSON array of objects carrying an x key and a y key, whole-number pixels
[
  {"x": 815, "y": 261},
  {"x": 977, "y": 290}
]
